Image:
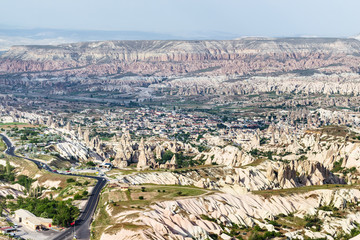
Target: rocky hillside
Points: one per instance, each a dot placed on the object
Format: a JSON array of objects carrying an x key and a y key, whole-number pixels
[
  {"x": 144, "y": 70},
  {"x": 166, "y": 58}
]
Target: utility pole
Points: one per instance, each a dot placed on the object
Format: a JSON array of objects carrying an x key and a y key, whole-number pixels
[
  {"x": 73, "y": 224},
  {"x": 74, "y": 231}
]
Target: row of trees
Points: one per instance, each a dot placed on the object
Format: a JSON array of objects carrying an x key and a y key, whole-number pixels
[{"x": 6, "y": 172}]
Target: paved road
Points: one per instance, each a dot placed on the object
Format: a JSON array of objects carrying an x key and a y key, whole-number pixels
[{"x": 82, "y": 224}]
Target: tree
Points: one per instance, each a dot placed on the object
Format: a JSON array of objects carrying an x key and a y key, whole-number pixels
[
  {"x": 25, "y": 181},
  {"x": 62, "y": 212},
  {"x": 167, "y": 155},
  {"x": 44, "y": 215},
  {"x": 77, "y": 196},
  {"x": 90, "y": 164},
  {"x": 9, "y": 196},
  {"x": 8, "y": 167},
  {"x": 70, "y": 180}
]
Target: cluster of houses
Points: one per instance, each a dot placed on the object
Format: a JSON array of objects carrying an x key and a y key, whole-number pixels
[{"x": 161, "y": 122}]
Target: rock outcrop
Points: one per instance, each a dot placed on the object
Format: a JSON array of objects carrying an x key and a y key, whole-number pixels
[
  {"x": 75, "y": 150},
  {"x": 182, "y": 219},
  {"x": 151, "y": 56},
  {"x": 299, "y": 65},
  {"x": 228, "y": 156}
]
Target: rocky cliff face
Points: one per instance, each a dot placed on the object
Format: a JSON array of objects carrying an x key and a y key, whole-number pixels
[
  {"x": 188, "y": 67},
  {"x": 182, "y": 219},
  {"x": 166, "y": 58}
]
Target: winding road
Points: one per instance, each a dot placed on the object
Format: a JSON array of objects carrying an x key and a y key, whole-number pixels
[{"x": 82, "y": 224}]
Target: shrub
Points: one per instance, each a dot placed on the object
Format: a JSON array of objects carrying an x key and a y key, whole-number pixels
[
  {"x": 9, "y": 196},
  {"x": 313, "y": 221},
  {"x": 214, "y": 236},
  {"x": 325, "y": 208},
  {"x": 77, "y": 197},
  {"x": 90, "y": 164},
  {"x": 206, "y": 217},
  {"x": 141, "y": 198},
  {"x": 268, "y": 235},
  {"x": 257, "y": 228},
  {"x": 70, "y": 180},
  {"x": 274, "y": 223},
  {"x": 25, "y": 181},
  {"x": 256, "y": 236},
  {"x": 337, "y": 165}
]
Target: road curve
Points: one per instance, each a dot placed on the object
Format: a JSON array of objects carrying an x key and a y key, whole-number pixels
[{"x": 82, "y": 224}]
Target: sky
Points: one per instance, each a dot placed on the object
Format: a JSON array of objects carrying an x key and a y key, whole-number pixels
[{"x": 268, "y": 18}]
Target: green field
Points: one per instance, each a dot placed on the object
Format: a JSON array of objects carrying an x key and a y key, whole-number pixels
[
  {"x": 299, "y": 190},
  {"x": 12, "y": 123}
]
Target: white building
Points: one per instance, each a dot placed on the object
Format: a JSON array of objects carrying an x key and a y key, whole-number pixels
[{"x": 30, "y": 220}]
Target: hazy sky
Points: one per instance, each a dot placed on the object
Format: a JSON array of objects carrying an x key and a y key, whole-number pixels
[{"x": 238, "y": 17}]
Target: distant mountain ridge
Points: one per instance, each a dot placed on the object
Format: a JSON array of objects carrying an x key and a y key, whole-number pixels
[
  {"x": 165, "y": 58},
  {"x": 185, "y": 68},
  {"x": 10, "y": 36}
]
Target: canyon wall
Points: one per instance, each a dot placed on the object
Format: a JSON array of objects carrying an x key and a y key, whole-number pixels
[{"x": 166, "y": 58}]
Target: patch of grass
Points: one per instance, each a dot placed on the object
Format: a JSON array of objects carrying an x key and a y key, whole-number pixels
[
  {"x": 101, "y": 220},
  {"x": 44, "y": 157},
  {"x": 47, "y": 176},
  {"x": 128, "y": 195},
  {"x": 153, "y": 194},
  {"x": 174, "y": 192},
  {"x": 207, "y": 218},
  {"x": 122, "y": 172},
  {"x": 25, "y": 167},
  {"x": 298, "y": 190},
  {"x": 125, "y": 225},
  {"x": 187, "y": 169},
  {"x": 335, "y": 130},
  {"x": 2, "y": 145},
  {"x": 313, "y": 221},
  {"x": 63, "y": 191},
  {"x": 337, "y": 165},
  {"x": 255, "y": 163},
  {"x": 12, "y": 124},
  {"x": 292, "y": 222}
]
